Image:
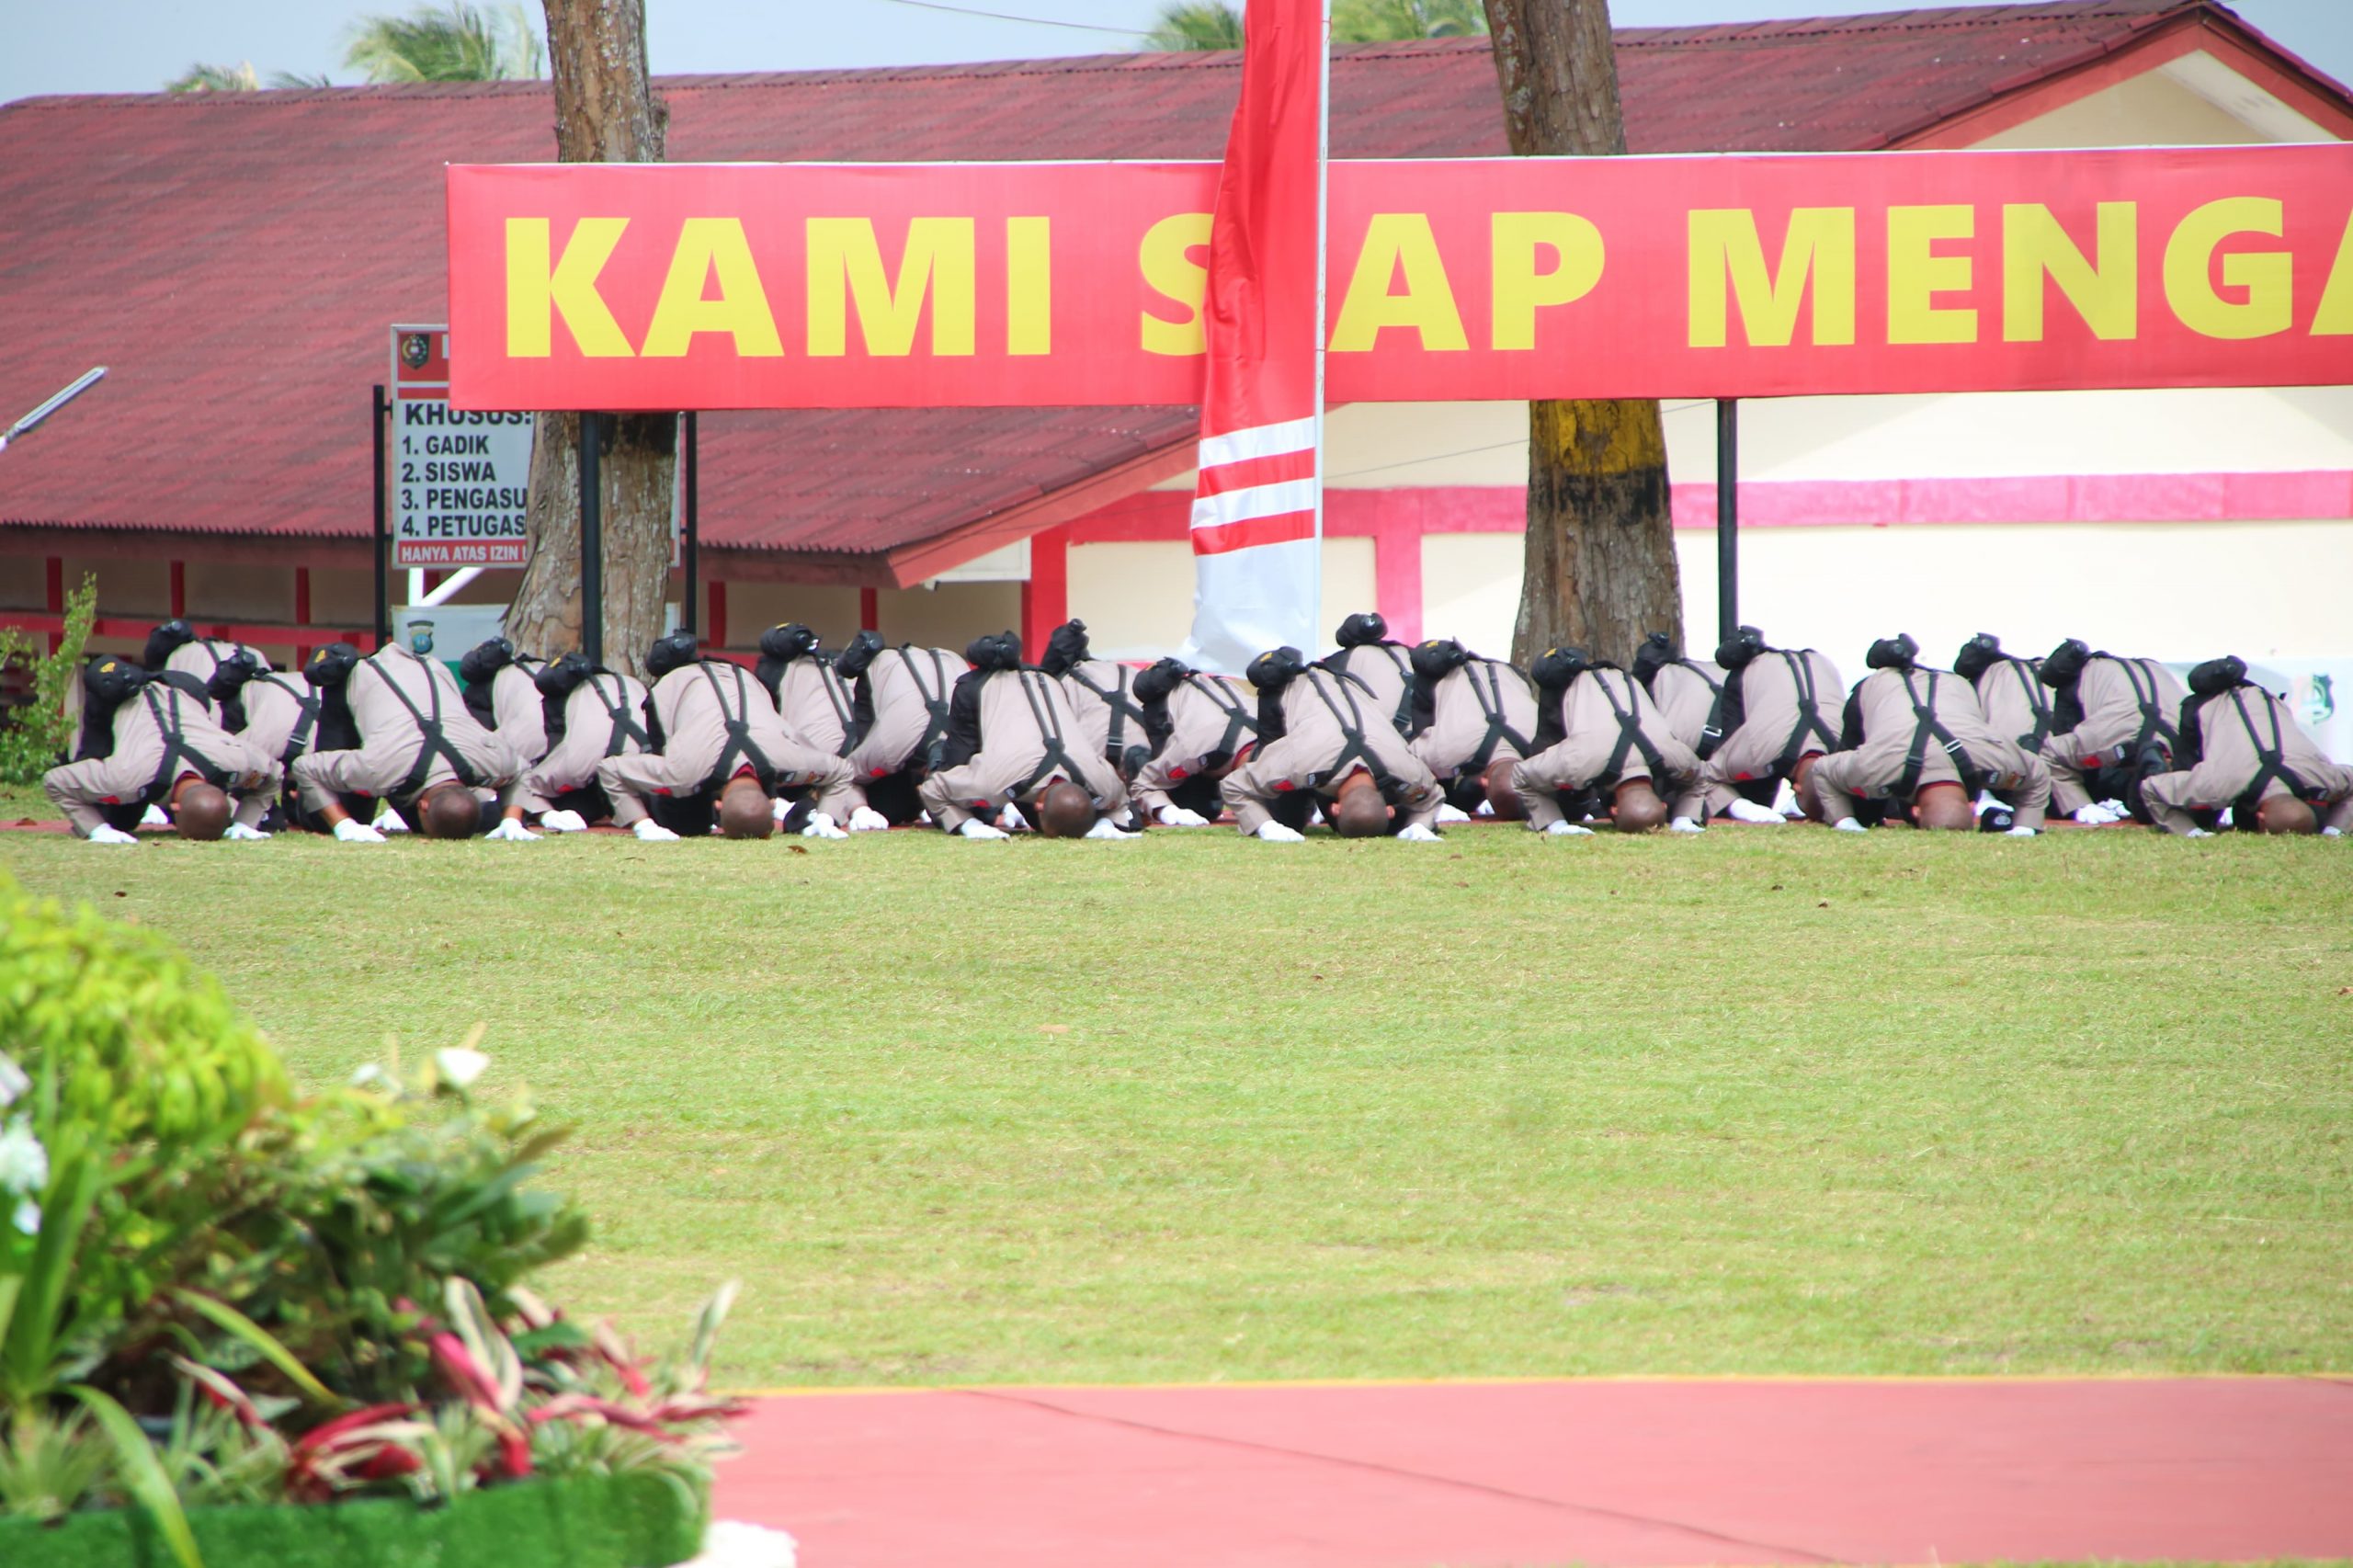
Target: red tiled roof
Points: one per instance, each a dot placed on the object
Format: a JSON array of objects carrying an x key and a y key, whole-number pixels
[{"x": 236, "y": 258}]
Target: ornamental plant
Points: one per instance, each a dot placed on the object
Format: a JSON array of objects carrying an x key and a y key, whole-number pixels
[{"x": 214, "y": 1292}]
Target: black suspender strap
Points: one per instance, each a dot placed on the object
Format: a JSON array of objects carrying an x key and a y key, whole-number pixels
[
  {"x": 1352, "y": 749},
  {"x": 1401, "y": 720},
  {"x": 935, "y": 702},
  {"x": 1929, "y": 727},
  {"x": 1122, "y": 703},
  {"x": 1055, "y": 758},
  {"x": 1239, "y": 720},
  {"x": 2154, "y": 723},
  {"x": 165, "y": 708},
  {"x": 1489, "y": 697},
  {"x": 623, "y": 713},
  {"x": 839, "y": 695},
  {"x": 2030, "y": 688},
  {"x": 740, "y": 745},
  {"x": 2271, "y": 760},
  {"x": 298, "y": 739},
  {"x": 1712, "y": 734},
  {"x": 435, "y": 744},
  {"x": 1810, "y": 724},
  {"x": 1631, "y": 736}
]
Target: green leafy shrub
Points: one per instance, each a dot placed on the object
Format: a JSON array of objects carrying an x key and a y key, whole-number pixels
[{"x": 31, "y": 737}]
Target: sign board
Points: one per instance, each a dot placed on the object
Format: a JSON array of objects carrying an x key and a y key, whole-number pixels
[
  {"x": 457, "y": 479},
  {"x": 669, "y": 286}
]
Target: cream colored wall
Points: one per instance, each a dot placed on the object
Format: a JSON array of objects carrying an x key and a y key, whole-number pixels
[
  {"x": 1471, "y": 589},
  {"x": 949, "y": 616},
  {"x": 1137, "y": 599},
  {"x": 2149, "y": 110}
]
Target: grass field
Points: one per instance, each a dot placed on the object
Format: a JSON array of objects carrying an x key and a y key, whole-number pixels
[{"x": 1774, "y": 1101}]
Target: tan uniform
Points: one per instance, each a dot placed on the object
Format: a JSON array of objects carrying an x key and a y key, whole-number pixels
[
  {"x": 697, "y": 704},
  {"x": 1898, "y": 755},
  {"x": 1029, "y": 737},
  {"x": 1210, "y": 717},
  {"x": 395, "y": 696},
  {"x": 1482, "y": 712},
  {"x": 2017, "y": 703},
  {"x": 522, "y": 716},
  {"x": 814, "y": 704},
  {"x": 603, "y": 715},
  {"x": 1788, "y": 707},
  {"x": 281, "y": 714},
  {"x": 1685, "y": 694},
  {"x": 1102, "y": 696},
  {"x": 160, "y": 734},
  {"x": 908, "y": 690},
  {"x": 1387, "y": 671},
  {"x": 2126, "y": 703},
  {"x": 1331, "y": 728},
  {"x": 203, "y": 657},
  {"x": 1611, "y": 732},
  {"x": 2237, "y": 728}
]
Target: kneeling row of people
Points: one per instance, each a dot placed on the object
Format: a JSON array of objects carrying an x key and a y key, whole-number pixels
[{"x": 1380, "y": 738}]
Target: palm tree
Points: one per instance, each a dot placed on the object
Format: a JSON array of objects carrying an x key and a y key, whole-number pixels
[
  {"x": 1213, "y": 24},
  {"x": 453, "y": 42},
  {"x": 239, "y": 78},
  {"x": 1196, "y": 24}
]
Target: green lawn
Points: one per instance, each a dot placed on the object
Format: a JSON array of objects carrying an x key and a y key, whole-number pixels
[{"x": 1772, "y": 1101}]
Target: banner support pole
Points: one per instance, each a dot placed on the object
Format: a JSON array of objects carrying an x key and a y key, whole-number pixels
[
  {"x": 1727, "y": 517},
  {"x": 687, "y": 618},
  {"x": 382, "y": 617},
  {"x": 592, "y": 542},
  {"x": 1323, "y": 243}
]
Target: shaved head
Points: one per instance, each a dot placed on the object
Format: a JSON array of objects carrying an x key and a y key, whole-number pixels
[
  {"x": 744, "y": 811},
  {"x": 1359, "y": 812},
  {"x": 2285, "y": 813},
  {"x": 1503, "y": 796},
  {"x": 200, "y": 811},
  {"x": 1638, "y": 808},
  {"x": 450, "y": 811},
  {"x": 1065, "y": 810},
  {"x": 1800, "y": 785},
  {"x": 1943, "y": 808}
]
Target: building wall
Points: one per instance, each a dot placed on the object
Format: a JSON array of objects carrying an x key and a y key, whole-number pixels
[{"x": 1137, "y": 599}]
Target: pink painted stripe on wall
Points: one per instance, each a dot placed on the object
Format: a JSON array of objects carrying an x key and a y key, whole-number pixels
[{"x": 2083, "y": 499}]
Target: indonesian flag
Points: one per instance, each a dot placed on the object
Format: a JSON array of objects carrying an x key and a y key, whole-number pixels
[{"x": 1259, "y": 504}]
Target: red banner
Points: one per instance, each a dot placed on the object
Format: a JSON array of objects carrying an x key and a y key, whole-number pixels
[{"x": 802, "y": 286}]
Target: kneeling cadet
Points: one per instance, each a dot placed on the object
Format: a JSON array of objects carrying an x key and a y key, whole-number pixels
[
  {"x": 144, "y": 742},
  {"x": 1013, "y": 741},
  {"x": 418, "y": 748},
  {"x": 2240, "y": 747},
  {"x": 1603, "y": 739},
  {"x": 1322, "y": 737},
  {"x": 1917, "y": 738}
]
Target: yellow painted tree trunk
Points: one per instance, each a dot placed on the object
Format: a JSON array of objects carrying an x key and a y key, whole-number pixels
[
  {"x": 605, "y": 112},
  {"x": 1601, "y": 569}
]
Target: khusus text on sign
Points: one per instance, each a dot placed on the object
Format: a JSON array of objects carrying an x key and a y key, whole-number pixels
[{"x": 458, "y": 479}]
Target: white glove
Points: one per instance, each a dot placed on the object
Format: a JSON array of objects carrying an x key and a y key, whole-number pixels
[
  {"x": 351, "y": 830},
  {"x": 1448, "y": 815},
  {"x": 102, "y": 834},
  {"x": 2198, "y": 833},
  {"x": 1011, "y": 820},
  {"x": 1419, "y": 833},
  {"x": 779, "y": 810},
  {"x": 509, "y": 831},
  {"x": 1848, "y": 825},
  {"x": 2096, "y": 815},
  {"x": 866, "y": 819},
  {"x": 2020, "y": 833},
  {"x": 1744, "y": 809},
  {"x": 1179, "y": 816},
  {"x": 389, "y": 820},
  {"x": 154, "y": 818},
  {"x": 822, "y": 826},
  {"x": 648, "y": 831},
  {"x": 241, "y": 834},
  {"x": 1486, "y": 809},
  {"x": 1104, "y": 828},
  {"x": 1683, "y": 824},
  {"x": 2116, "y": 809},
  {"x": 564, "y": 821},
  {"x": 1569, "y": 830},
  {"x": 1276, "y": 833},
  {"x": 977, "y": 829},
  {"x": 2332, "y": 832},
  {"x": 925, "y": 818}
]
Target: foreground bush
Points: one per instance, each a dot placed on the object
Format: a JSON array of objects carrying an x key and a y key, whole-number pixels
[{"x": 217, "y": 1296}]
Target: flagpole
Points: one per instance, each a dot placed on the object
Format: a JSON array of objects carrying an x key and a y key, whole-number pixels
[{"x": 1323, "y": 224}]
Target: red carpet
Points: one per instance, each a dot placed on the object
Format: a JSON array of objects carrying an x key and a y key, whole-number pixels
[{"x": 1554, "y": 1473}]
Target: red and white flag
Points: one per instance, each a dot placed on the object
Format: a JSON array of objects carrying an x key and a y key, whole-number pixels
[{"x": 1258, "y": 503}]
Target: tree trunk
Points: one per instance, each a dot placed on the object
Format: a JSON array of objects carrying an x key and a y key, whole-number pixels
[
  {"x": 605, "y": 113},
  {"x": 1600, "y": 563}
]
